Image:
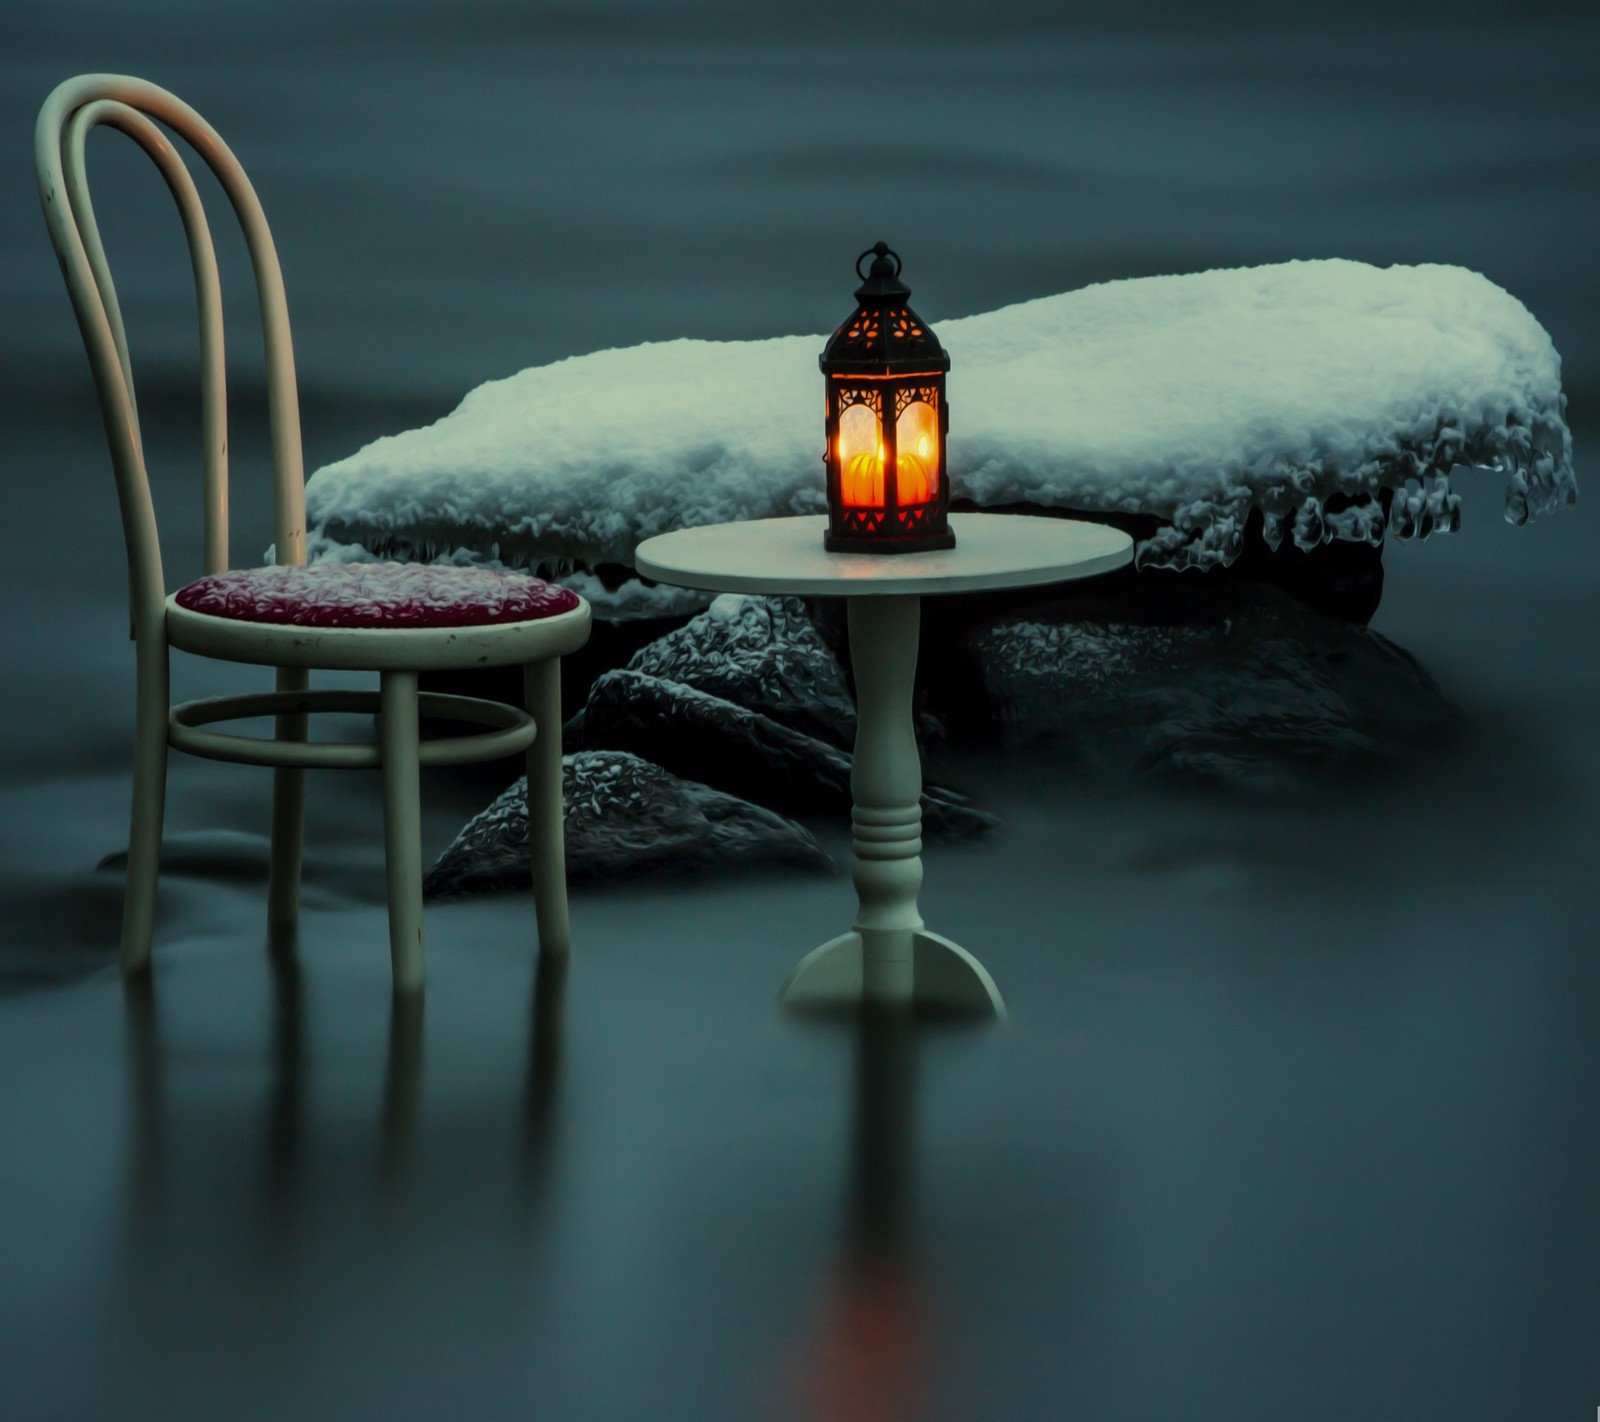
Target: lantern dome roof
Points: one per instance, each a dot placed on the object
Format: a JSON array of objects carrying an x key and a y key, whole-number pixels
[{"x": 883, "y": 335}]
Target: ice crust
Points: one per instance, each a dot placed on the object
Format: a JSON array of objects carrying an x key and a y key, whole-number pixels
[{"x": 1194, "y": 398}]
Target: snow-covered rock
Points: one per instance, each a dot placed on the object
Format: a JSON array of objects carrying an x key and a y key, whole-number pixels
[
  {"x": 624, "y": 817},
  {"x": 761, "y": 653},
  {"x": 1193, "y": 399},
  {"x": 706, "y": 738},
  {"x": 1255, "y": 689}
]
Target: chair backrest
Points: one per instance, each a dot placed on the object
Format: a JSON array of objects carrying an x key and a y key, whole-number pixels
[{"x": 129, "y": 104}]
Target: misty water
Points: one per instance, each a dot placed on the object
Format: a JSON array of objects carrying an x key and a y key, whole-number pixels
[{"x": 1295, "y": 1115}]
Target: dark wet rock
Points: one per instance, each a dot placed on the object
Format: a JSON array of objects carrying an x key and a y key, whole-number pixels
[
  {"x": 624, "y": 817},
  {"x": 1252, "y": 687},
  {"x": 764, "y": 654},
  {"x": 703, "y": 737},
  {"x": 1340, "y": 578},
  {"x": 610, "y": 645}
]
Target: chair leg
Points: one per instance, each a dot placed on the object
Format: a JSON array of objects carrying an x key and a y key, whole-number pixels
[
  {"x": 149, "y": 805},
  {"x": 402, "y": 823},
  {"x": 541, "y": 687},
  {"x": 288, "y": 824}
]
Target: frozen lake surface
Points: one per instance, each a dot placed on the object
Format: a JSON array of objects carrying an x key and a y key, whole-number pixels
[{"x": 1296, "y": 1114}]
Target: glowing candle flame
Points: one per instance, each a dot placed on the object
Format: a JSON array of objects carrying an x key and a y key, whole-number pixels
[
  {"x": 917, "y": 466},
  {"x": 863, "y": 457},
  {"x": 913, "y": 479},
  {"x": 860, "y": 456},
  {"x": 861, "y": 481}
]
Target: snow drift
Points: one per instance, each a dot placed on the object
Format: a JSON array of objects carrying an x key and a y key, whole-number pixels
[{"x": 1333, "y": 396}]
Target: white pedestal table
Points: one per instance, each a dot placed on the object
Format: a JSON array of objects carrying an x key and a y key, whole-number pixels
[{"x": 889, "y": 957}]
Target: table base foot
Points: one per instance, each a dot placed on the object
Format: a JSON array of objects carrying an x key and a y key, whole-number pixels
[{"x": 946, "y": 979}]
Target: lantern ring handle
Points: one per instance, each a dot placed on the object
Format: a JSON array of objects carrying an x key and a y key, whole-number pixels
[{"x": 878, "y": 249}]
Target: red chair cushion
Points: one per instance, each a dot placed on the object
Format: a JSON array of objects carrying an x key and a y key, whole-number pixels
[{"x": 377, "y": 595}]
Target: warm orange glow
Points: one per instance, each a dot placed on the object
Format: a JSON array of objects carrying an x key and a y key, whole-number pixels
[
  {"x": 914, "y": 480},
  {"x": 917, "y": 464},
  {"x": 870, "y": 1356},
  {"x": 860, "y": 458},
  {"x": 901, "y": 375},
  {"x": 861, "y": 482}
]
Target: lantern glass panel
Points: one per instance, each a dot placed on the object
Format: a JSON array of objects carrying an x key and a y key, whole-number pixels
[
  {"x": 917, "y": 453},
  {"x": 860, "y": 457}
]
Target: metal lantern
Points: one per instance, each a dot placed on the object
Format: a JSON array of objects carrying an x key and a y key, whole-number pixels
[{"x": 887, "y": 422}]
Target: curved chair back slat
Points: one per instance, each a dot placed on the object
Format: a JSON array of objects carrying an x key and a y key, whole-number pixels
[
  {"x": 397, "y": 651},
  {"x": 129, "y": 104},
  {"x": 83, "y": 213},
  {"x": 208, "y": 295}
]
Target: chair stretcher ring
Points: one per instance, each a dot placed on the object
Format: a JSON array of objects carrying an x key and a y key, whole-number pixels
[{"x": 515, "y": 730}]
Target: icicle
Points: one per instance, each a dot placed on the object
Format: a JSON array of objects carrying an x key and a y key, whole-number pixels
[
  {"x": 1428, "y": 505},
  {"x": 1405, "y": 509},
  {"x": 1444, "y": 505},
  {"x": 1310, "y": 529},
  {"x": 1362, "y": 522}
]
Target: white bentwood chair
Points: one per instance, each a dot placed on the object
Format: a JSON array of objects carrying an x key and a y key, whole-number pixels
[{"x": 392, "y": 618}]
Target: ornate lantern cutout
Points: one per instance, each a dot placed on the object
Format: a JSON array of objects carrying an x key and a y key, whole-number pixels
[{"x": 887, "y": 421}]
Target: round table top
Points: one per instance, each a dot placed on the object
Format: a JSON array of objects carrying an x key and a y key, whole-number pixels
[{"x": 785, "y": 555}]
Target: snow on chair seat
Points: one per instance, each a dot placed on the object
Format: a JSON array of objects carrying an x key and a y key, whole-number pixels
[{"x": 376, "y": 595}]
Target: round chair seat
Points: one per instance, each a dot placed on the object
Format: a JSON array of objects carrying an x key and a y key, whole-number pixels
[{"x": 375, "y": 595}]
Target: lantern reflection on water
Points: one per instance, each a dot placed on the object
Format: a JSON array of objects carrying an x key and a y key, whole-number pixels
[{"x": 886, "y": 477}]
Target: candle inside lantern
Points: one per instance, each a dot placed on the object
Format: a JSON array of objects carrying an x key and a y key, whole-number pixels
[
  {"x": 860, "y": 458},
  {"x": 861, "y": 481},
  {"x": 917, "y": 456},
  {"x": 913, "y": 482}
]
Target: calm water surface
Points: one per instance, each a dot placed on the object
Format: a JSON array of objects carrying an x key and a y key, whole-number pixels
[{"x": 1296, "y": 1114}]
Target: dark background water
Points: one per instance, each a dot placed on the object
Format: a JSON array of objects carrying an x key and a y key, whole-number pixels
[
  {"x": 1296, "y": 1115},
  {"x": 462, "y": 190}
]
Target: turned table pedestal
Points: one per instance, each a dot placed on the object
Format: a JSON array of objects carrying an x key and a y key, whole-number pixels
[{"x": 888, "y": 956}]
